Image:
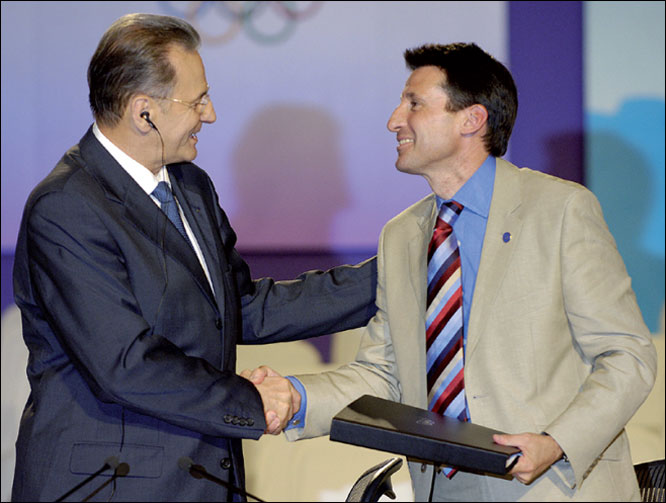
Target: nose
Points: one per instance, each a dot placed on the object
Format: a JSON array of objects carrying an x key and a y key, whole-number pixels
[
  {"x": 396, "y": 120},
  {"x": 208, "y": 116}
]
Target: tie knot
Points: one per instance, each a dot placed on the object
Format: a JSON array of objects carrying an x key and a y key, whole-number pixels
[
  {"x": 163, "y": 193},
  {"x": 450, "y": 211}
]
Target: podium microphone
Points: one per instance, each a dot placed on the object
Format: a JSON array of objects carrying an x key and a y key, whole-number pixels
[
  {"x": 121, "y": 470},
  {"x": 199, "y": 472},
  {"x": 110, "y": 462}
]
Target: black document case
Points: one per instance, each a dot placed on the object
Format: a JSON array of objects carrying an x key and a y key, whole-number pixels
[{"x": 417, "y": 433}]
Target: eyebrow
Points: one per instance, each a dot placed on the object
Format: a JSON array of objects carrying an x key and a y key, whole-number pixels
[{"x": 203, "y": 93}]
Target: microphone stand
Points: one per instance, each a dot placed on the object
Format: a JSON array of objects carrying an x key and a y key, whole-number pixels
[
  {"x": 199, "y": 472},
  {"x": 110, "y": 462},
  {"x": 121, "y": 470}
]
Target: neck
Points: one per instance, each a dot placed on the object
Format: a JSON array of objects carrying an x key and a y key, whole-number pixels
[
  {"x": 446, "y": 180},
  {"x": 144, "y": 149}
]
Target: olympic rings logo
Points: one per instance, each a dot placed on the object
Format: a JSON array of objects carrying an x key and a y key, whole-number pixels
[{"x": 265, "y": 22}]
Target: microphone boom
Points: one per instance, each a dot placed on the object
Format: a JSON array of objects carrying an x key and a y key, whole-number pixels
[{"x": 199, "y": 472}]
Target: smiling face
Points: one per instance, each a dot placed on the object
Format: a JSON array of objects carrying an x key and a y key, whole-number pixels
[
  {"x": 428, "y": 133},
  {"x": 180, "y": 122}
]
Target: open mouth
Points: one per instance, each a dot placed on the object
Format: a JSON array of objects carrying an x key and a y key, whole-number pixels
[{"x": 404, "y": 142}]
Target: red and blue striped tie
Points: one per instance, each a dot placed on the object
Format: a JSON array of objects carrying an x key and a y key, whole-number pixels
[{"x": 444, "y": 320}]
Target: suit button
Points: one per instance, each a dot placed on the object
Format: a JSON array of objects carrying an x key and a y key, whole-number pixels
[
  {"x": 228, "y": 418},
  {"x": 250, "y": 421},
  {"x": 225, "y": 463},
  {"x": 235, "y": 420},
  {"x": 218, "y": 324},
  {"x": 242, "y": 422}
]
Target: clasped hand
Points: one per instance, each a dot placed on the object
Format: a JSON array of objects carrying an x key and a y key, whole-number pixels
[
  {"x": 539, "y": 452},
  {"x": 280, "y": 398}
]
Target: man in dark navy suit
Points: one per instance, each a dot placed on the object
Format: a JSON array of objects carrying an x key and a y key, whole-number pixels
[{"x": 133, "y": 297}]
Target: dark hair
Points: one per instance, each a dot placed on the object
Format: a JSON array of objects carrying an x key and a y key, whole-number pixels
[
  {"x": 474, "y": 76},
  {"x": 132, "y": 57}
]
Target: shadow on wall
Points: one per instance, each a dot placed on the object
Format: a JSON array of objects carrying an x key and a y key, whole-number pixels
[
  {"x": 626, "y": 179},
  {"x": 290, "y": 179}
]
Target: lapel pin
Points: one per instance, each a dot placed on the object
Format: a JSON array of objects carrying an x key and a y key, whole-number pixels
[{"x": 506, "y": 237}]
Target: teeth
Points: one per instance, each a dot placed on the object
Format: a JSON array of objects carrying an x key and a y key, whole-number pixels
[{"x": 402, "y": 142}]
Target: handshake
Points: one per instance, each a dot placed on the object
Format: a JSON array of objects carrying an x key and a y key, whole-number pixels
[{"x": 280, "y": 398}]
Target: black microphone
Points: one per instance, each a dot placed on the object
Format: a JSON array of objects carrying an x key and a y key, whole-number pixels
[
  {"x": 110, "y": 462},
  {"x": 121, "y": 470},
  {"x": 199, "y": 472}
]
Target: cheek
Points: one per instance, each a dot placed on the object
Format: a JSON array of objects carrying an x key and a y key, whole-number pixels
[
  {"x": 423, "y": 129},
  {"x": 438, "y": 136},
  {"x": 184, "y": 136}
]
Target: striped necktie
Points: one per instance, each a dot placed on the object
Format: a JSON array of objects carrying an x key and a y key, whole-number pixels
[
  {"x": 168, "y": 203},
  {"x": 444, "y": 320}
]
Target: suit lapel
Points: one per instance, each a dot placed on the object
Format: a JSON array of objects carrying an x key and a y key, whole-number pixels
[
  {"x": 409, "y": 331},
  {"x": 139, "y": 209},
  {"x": 418, "y": 247},
  {"x": 204, "y": 230},
  {"x": 504, "y": 217},
  {"x": 144, "y": 214}
]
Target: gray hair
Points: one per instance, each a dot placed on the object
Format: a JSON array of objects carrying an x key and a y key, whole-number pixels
[{"x": 132, "y": 57}]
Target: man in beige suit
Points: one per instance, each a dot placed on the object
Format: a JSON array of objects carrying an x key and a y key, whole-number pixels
[{"x": 556, "y": 353}]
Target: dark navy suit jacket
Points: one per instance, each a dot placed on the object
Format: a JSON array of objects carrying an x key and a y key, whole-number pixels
[{"x": 131, "y": 353}]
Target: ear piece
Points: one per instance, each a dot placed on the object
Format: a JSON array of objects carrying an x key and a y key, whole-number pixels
[{"x": 146, "y": 116}]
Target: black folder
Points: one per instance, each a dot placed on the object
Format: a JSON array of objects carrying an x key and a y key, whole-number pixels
[{"x": 421, "y": 434}]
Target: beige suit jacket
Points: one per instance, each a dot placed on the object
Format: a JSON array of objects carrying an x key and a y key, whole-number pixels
[{"x": 555, "y": 340}]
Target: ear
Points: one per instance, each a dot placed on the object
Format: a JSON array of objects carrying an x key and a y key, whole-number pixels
[
  {"x": 139, "y": 104},
  {"x": 475, "y": 118}
]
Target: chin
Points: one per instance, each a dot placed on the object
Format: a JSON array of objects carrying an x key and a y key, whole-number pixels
[
  {"x": 189, "y": 156},
  {"x": 406, "y": 168}
]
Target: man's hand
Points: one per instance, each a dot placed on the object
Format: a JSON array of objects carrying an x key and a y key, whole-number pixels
[
  {"x": 258, "y": 375},
  {"x": 539, "y": 452},
  {"x": 281, "y": 401}
]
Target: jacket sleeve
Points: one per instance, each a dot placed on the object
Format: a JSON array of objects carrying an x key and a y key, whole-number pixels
[
  {"x": 316, "y": 303},
  {"x": 608, "y": 331},
  {"x": 373, "y": 372}
]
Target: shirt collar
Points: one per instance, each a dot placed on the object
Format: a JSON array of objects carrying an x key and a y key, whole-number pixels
[
  {"x": 139, "y": 173},
  {"x": 476, "y": 193}
]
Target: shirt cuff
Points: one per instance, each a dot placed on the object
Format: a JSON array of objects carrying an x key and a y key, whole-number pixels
[{"x": 298, "y": 421}]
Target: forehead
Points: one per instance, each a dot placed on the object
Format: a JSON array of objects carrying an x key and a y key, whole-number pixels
[
  {"x": 425, "y": 81},
  {"x": 190, "y": 73}
]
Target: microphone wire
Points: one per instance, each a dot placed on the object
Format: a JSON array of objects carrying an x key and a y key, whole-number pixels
[{"x": 163, "y": 234}]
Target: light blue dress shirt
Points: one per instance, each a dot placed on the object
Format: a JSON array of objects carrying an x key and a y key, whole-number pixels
[{"x": 470, "y": 229}]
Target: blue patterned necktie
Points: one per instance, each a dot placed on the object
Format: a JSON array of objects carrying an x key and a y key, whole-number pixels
[
  {"x": 164, "y": 195},
  {"x": 444, "y": 321}
]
